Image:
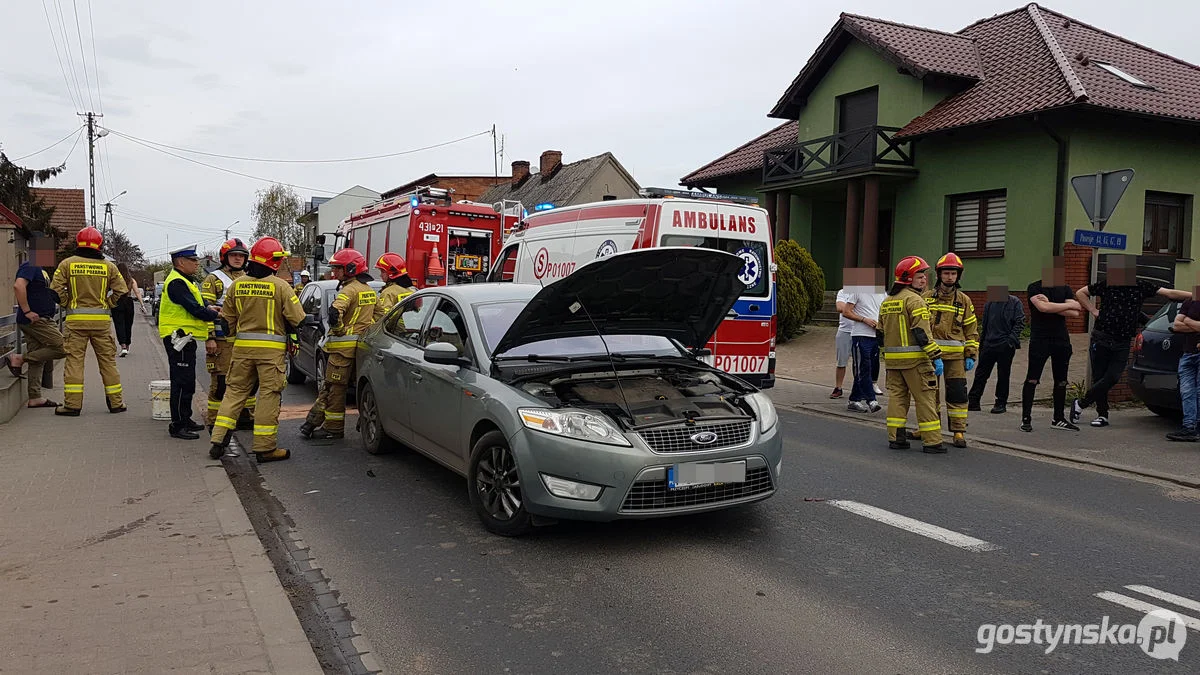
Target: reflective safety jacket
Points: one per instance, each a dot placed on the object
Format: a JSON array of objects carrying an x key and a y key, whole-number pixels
[
  {"x": 390, "y": 296},
  {"x": 904, "y": 321},
  {"x": 952, "y": 320},
  {"x": 88, "y": 288},
  {"x": 355, "y": 308},
  {"x": 261, "y": 313},
  {"x": 212, "y": 289}
]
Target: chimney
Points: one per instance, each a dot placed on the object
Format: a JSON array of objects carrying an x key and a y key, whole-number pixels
[
  {"x": 520, "y": 171},
  {"x": 550, "y": 160}
]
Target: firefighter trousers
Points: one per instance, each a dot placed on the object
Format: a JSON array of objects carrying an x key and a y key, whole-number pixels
[
  {"x": 330, "y": 407},
  {"x": 76, "y": 343},
  {"x": 246, "y": 372},
  {"x": 919, "y": 384},
  {"x": 954, "y": 374},
  {"x": 218, "y": 376}
]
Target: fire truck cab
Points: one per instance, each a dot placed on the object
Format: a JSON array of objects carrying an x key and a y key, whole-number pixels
[
  {"x": 443, "y": 242},
  {"x": 552, "y": 243}
]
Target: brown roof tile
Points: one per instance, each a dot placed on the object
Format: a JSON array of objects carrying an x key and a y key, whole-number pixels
[
  {"x": 747, "y": 157},
  {"x": 922, "y": 50},
  {"x": 70, "y": 213}
]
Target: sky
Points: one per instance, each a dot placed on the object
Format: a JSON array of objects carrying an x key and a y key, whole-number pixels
[{"x": 665, "y": 85}]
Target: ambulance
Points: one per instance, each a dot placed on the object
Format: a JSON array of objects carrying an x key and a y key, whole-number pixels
[{"x": 552, "y": 242}]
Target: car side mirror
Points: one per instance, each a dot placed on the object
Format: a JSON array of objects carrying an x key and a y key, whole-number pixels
[{"x": 443, "y": 353}]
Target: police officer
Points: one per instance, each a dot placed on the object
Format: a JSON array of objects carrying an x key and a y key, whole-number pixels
[
  {"x": 262, "y": 311},
  {"x": 956, "y": 331},
  {"x": 220, "y": 343},
  {"x": 397, "y": 284},
  {"x": 351, "y": 314},
  {"x": 913, "y": 359},
  {"x": 182, "y": 317},
  {"x": 88, "y": 286}
]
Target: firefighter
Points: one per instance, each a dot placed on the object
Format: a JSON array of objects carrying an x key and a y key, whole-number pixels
[
  {"x": 913, "y": 359},
  {"x": 305, "y": 277},
  {"x": 88, "y": 286},
  {"x": 397, "y": 284},
  {"x": 220, "y": 343},
  {"x": 262, "y": 313},
  {"x": 956, "y": 331},
  {"x": 351, "y": 313}
]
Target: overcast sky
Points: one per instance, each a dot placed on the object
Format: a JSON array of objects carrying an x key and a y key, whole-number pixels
[{"x": 665, "y": 85}]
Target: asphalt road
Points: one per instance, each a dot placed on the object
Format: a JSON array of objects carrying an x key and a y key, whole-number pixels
[{"x": 804, "y": 582}]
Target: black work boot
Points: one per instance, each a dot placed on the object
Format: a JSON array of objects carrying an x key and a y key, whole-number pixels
[
  {"x": 899, "y": 444},
  {"x": 215, "y": 451},
  {"x": 999, "y": 409},
  {"x": 306, "y": 429},
  {"x": 182, "y": 432},
  {"x": 973, "y": 406},
  {"x": 323, "y": 434},
  {"x": 937, "y": 449}
]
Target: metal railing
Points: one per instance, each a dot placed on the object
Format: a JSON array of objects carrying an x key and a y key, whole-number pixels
[{"x": 855, "y": 149}]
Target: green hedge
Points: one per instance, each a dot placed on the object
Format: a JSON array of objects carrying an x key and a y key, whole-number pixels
[{"x": 802, "y": 295}]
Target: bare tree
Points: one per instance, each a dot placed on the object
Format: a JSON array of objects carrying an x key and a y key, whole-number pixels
[
  {"x": 117, "y": 245},
  {"x": 275, "y": 212}
]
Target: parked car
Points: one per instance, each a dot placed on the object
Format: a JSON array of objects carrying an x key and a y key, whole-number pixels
[
  {"x": 158, "y": 291},
  {"x": 584, "y": 399},
  {"x": 1153, "y": 375},
  {"x": 307, "y": 360}
]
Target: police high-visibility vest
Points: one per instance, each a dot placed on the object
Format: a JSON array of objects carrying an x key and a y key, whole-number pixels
[{"x": 172, "y": 315}]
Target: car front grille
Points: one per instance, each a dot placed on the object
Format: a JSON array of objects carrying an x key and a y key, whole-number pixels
[
  {"x": 653, "y": 495},
  {"x": 678, "y": 439}
]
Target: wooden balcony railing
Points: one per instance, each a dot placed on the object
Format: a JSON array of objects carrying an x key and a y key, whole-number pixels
[{"x": 850, "y": 150}]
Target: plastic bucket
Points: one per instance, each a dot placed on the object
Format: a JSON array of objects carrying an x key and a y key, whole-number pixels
[{"x": 160, "y": 400}]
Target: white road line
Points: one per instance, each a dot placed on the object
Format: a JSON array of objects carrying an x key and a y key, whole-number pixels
[
  {"x": 1144, "y": 607},
  {"x": 915, "y": 526},
  {"x": 1169, "y": 597}
]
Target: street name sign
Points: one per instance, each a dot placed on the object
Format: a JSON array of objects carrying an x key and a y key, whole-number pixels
[{"x": 1095, "y": 239}]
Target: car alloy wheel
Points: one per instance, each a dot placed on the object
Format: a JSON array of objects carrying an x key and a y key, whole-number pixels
[
  {"x": 320, "y": 374},
  {"x": 495, "y": 487},
  {"x": 375, "y": 439}
]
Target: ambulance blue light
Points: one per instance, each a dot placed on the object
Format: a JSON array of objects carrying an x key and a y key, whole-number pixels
[{"x": 544, "y": 206}]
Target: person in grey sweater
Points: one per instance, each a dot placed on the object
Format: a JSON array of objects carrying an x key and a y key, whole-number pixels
[{"x": 999, "y": 340}]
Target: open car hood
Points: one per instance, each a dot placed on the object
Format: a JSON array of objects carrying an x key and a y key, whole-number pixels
[{"x": 682, "y": 293}]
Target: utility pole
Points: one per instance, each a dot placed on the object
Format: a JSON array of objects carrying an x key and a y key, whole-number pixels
[
  {"x": 495, "y": 155},
  {"x": 91, "y": 125}
]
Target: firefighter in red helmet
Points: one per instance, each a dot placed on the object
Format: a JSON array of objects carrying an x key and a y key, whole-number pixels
[
  {"x": 913, "y": 359},
  {"x": 350, "y": 315},
  {"x": 262, "y": 312},
  {"x": 397, "y": 283},
  {"x": 88, "y": 286},
  {"x": 956, "y": 331},
  {"x": 219, "y": 347}
]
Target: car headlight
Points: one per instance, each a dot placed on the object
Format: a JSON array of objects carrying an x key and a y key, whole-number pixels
[
  {"x": 570, "y": 489},
  {"x": 764, "y": 410},
  {"x": 584, "y": 426}
]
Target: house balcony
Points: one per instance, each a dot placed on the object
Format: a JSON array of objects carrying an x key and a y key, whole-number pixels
[{"x": 847, "y": 153}]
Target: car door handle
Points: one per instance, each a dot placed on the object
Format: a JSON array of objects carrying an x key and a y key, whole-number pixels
[
  {"x": 754, "y": 308},
  {"x": 417, "y": 376}
]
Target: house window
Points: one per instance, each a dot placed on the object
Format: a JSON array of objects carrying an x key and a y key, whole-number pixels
[
  {"x": 1165, "y": 230},
  {"x": 977, "y": 224}
]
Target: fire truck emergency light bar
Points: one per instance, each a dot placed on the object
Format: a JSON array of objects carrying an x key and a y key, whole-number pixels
[{"x": 654, "y": 192}]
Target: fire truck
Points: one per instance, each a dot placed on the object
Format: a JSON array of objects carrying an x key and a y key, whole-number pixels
[{"x": 443, "y": 242}]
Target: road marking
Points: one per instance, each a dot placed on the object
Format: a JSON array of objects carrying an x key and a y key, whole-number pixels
[
  {"x": 915, "y": 526},
  {"x": 1169, "y": 597},
  {"x": 1145, "y": 607}
]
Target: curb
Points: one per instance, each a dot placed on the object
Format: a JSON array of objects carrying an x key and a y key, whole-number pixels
[{"x": 1017, "y": 447}]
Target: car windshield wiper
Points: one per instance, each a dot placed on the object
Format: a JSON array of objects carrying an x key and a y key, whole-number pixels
[{"x": 535, "y": 357}]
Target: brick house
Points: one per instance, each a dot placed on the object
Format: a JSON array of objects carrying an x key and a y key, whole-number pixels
[
  {"x": 470, "y": 188},
  {"x": 903, "y": 140},
  {"x": 588, "y": 180}
]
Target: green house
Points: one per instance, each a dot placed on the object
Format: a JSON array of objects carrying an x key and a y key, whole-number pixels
[{"x": 901, "y": 140}]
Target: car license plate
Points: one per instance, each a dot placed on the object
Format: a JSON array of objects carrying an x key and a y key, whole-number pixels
[{"x": 701, "y": 474}]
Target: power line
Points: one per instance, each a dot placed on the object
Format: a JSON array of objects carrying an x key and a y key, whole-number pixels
[
  {"x": 95, "y": 61},
  {"x": 64, "y": 139},
  {"x": 57, "y": 53},
  {"x": 82, "y": 54},
  {"x": 67, "y": 47},
  {"x": 73, "y": 146},
  {"x": 165, "y": 224},
  {"x": 303, "y": 161},
  {"x": 128, "y": 211}
]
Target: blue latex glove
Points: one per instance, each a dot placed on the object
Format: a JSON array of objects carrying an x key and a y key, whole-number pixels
[
  {"x": 970, "y": 363},
  {"x": 938, "y": 367}
]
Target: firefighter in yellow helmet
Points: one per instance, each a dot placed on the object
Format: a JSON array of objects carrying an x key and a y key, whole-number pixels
[
  {"x": 913, "y": 359},
  {"x": 261, "y": 310},
  {"x": 88, "y": 286},
  {"x": 350, "y": 315},
  {"x": 213, "y": 290},
  {"x": 956, "y": 331},
  {"x": 397, "y": 283}
]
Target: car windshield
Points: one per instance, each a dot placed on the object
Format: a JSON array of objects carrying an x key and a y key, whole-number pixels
[{"x": 497, "y": 318}]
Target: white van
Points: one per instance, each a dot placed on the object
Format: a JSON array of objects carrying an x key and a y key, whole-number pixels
[{"x": 548, "y": 245}]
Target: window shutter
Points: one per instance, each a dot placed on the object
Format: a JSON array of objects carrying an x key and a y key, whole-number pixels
[
  {"x": 997, "y": 218},
  {"x": 966, "y": 225}
]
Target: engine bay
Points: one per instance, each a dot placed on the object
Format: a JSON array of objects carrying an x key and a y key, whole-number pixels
[{"x": 646, "y": 396}]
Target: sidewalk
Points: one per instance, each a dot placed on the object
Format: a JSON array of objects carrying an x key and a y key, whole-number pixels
[
  {"x": 1134, "y": 443},
  {"x": 123, "y": 550}
]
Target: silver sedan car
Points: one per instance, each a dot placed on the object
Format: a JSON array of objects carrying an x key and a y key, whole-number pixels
[{"x": 580, "y": 400}]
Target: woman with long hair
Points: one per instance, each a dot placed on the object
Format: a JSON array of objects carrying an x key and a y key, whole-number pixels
[{"x": 122, "y": 314}]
